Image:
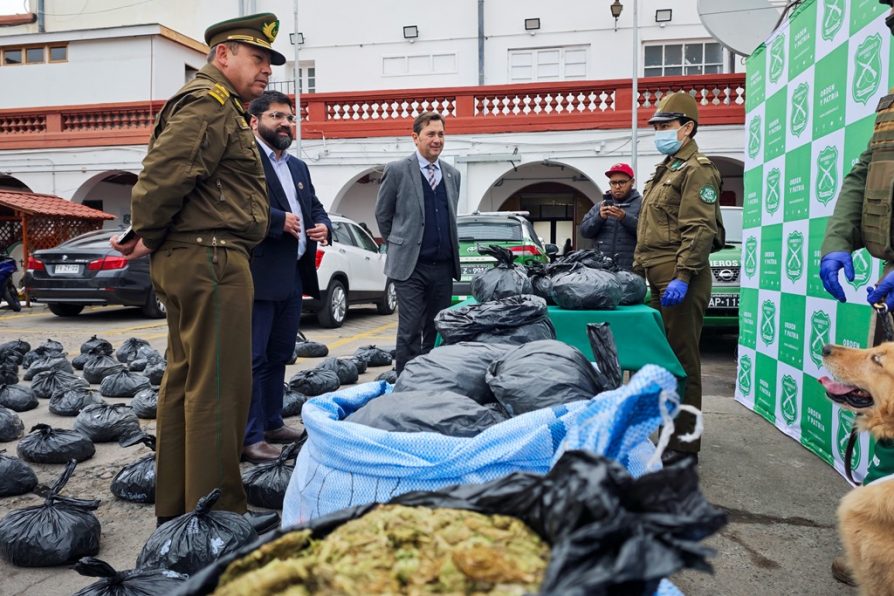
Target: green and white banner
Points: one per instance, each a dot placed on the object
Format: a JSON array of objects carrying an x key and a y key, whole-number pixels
[{"x": 812, "y": 89}]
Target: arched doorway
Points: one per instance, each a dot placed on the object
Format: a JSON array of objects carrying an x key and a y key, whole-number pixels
[
  {"x": 357, "y": 198},
  {"x": 12, "y": 183},
  {"x": 109, "y": 192},
  {"x": 731, "y": 171}
]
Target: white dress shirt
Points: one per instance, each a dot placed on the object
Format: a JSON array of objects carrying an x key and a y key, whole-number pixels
[{"x": 281, "y": 167}]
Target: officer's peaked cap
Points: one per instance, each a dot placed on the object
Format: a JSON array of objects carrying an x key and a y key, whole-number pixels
[
  {"x": 675, "y": 106},
  {"x": 257, "y": 29}
]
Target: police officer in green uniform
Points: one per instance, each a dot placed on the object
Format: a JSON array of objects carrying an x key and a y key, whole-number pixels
[
  {"x": 679, "y": 225},
  {"x": 199, "y": 207},
  {"x": 862, "y": 219}
]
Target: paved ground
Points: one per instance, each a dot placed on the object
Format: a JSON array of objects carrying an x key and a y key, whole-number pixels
[{"x": 781, "y": 499}]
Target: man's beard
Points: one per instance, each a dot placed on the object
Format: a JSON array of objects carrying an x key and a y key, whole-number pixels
[{"x": 274, "y": 139}]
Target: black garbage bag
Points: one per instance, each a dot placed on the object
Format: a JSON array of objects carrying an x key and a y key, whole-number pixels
[
  {"x": 304, "y": 348},
  {"x": 99, "y": 367},
  {"x": 47, "y": 445},
  {"x": 135, "y": 482},
  {"x": 460, "y": 368},
  {"x": 503, "y": 280},
  {"x": 374, "y": 356},
  {"x": 583, "y": 288},
  {"x": 145, "y": 403},
  {"x": 443, "y": 412},
  {"x": 16, "y": 477},
  {"x": 343, "y": 367},
  {"x": 80, "y": 360},
  {"x": 47, "y": 363},
  {"x": 292, "y": 402},
  {"x": 50, "y": 347},
  {"x": 18, "y": 398},
  {"x": 133, "y": 582},
  {"x": 138, "y": 365},
  {"x": 9, "y": 373},
  {"x": 60, "y": 531},
  {"x": 49, "y": 383},
  {"x": 514, "y": 320},
  {"x": 15, "y": 350},
  {"x": 605, "y": 355},
  {"x": 147, "y": 358},
  {"x": 313, "y": 382},
  {"x": 130, "y": 349},
  {"x": 104, "y": 423},
  {"x": 11, "y": 426},
  {"x": 74, "y": 400},
  {"x": 359, "y": 363},
  {"x": 389, "y": 376},
  {"x": 266, "y": 484},
  {"x": 155, "y": 372},
  {"x": 123, "y": 384},
  {"x": 96, "y": 345},
  {"x": 540, "y": 281},
  {"x": 196, "y": 539},
  {"x": 541, "y": 374},
  {"x": 633, "y": 287},
  {"x": 610, "y": 534},
  {"x": 592, "y": 258}
]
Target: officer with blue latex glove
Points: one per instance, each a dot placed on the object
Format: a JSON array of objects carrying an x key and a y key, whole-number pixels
[
  {"x": 674, "y": 293},
  {"x": 884, "y": 291},
  {"x": 830, "y": 265}
]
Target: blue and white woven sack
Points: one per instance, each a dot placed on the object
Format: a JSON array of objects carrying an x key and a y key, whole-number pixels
[{"x": 344, "y": 464}]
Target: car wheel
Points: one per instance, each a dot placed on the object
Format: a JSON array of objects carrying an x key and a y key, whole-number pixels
[
  {"x": 65, "y": 310},
  {"x": 334, "y": 306},
  {"x": 388, "y": 303},
  {"x": 12, "y": 296},
  {"x": 154, "y": 308}
]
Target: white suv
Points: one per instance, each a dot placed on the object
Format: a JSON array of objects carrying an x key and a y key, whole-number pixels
[{"x": 351, "y": 270}]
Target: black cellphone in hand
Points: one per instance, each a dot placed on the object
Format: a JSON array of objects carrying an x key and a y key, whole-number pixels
[
  {"x": 609, "y": 202},
  {"x": 127, "y": 235}
]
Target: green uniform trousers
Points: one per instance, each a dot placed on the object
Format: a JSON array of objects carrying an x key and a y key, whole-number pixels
[
  {"x": 206, "y": 391},
  {"x": 683, "y": 325}
]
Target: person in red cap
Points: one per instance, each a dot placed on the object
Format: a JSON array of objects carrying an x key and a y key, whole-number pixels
[{"x": 612, "y": 222}]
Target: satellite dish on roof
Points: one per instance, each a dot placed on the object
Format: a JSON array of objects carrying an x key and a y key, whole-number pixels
[{"x": 740, "y": 25}]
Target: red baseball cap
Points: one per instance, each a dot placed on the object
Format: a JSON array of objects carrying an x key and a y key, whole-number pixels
[{"x": 621, "y": 168}]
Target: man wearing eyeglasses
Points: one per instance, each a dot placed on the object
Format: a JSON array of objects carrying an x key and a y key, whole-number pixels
[
  {"x": 282, "y": 268},
  {"x": 612, "y": 223}
]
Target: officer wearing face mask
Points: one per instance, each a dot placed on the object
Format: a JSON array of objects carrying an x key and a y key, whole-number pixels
[{"x": 679, "y": 226}]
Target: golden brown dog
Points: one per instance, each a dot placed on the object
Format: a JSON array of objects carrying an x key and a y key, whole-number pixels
[{"x": 863, "y": 382}]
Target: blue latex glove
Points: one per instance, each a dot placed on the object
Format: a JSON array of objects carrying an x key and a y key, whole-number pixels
[
  {"x": 830, "y": 265},
  {"x": 675, "y": 292},
  {"x": 883, "y": 291}
]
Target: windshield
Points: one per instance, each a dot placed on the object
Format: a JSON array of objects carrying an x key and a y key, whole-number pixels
[
  {"x": 732, "y": 223},
  {"x": 489, "y": 230}
]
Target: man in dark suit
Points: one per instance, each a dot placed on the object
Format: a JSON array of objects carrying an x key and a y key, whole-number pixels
[
  {"x": 416, "y": 213},
  {"x": 282, "y": 268}
]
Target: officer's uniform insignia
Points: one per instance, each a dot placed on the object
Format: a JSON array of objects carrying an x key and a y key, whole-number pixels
[
  {"x": 220, "y": 93},
  {"x": 270, "y": 30},
  {"x": 708, "y": 194},
  {"x": 703, "y": 160},
  {"x": 301, "y": 186}
]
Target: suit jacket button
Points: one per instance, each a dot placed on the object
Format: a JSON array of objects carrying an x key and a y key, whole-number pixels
[{"x": 199, "y": 239}]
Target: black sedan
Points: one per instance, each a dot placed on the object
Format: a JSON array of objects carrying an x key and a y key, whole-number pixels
[{"x": 86, "y": 270}]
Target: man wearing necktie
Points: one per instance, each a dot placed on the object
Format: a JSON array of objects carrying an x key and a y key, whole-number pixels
[
  {"x": 283, "y": 269},
  {"x": 416, "y": 213}
]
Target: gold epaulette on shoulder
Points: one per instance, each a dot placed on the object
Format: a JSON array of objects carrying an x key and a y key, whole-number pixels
[
  {"x": 220, "y": 93},
  {"x": 703, "y": 160}
]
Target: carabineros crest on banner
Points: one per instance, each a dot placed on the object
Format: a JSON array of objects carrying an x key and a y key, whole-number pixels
[
  {"x": 768, "y": 322},
  {"x": 777, "y": 58},
  {"x": 750, "y": 256},
  {"x": 789, "y": 402},
  {"x": 833, "y": 18},
  {"x": 820, "y": 325},
  {"x": 845, "y": 422},
  {"x": 794, "y": 256},
  {"x": 800, "y": 112},
  {"x": 774, "y": 191},
  {"x": 755, "y": 130},
  {"x": 862, "y": 269},
  {"x": 867, "y": 69},
  {"x": 745, "y": 367},
  {"x": 827, "y": 174}
]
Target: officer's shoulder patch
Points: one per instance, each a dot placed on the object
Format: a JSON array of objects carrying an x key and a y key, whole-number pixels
[
  {"x": 708, "y": 194},
  {"x": 703, "y": 160},
  {"x": 219, "y": 93}
]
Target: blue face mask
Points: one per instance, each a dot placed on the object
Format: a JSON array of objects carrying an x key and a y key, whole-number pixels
[{"x": 666, "y": 141}]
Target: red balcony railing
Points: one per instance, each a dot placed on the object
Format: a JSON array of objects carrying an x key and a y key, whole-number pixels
[{"x": 565, "y": 105}]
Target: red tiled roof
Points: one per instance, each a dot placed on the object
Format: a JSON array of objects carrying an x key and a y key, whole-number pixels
[
  {"x": 11, "y": 20},
  {"x": 48, "y": 205}
]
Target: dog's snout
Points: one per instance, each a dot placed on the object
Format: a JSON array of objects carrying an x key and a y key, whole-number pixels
[{"x": 827, "y": 349}]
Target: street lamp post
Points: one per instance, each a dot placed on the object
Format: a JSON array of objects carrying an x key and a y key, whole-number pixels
[
  {"x": 616, "y": 9},
  {"x": 296, "y": 74}
]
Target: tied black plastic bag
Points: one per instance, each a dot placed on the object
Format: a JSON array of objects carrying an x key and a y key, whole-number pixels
[
  {"x": 514, "y": 320},
  {"x": 583, "y": 288},
  {"x": 266, "y": 484},
  {"x": 11, "y": 426},
  {"x": 359, "y": 363},
  {"x": 16, "y": 477},
  {"x": 134, "y": 582},
  {"x": 136, "y": 481},
  {"x": 633, "y": 287},
  {"x": 502, "y": 281},
  {"x": 541, "y": 374},
  {"x": 343, "y": 368},
  {"x": 610, "y": 534},
  {"x": 155, "y": 372},
  {"x": 540, "y": 281},
  {"x": 314, "y": 382},
  {"x": 130, "y": 349},
  {"x": 74, "y": 400},
  {"x": 60, "y": 531},
  {"x": 47, "y": 445},
  {"x": 304, "y": 348},
  {"x": 104, "y": 423},
  {"x": 9, "y": 373},
  {"x": 80, "y": 360},
  {"x": 590, "y": 257},
  {"x": 18, "y": 398},
  {"x": 123, "y": 384},
  {"x": 47, "y": 363},
  {"x": 605, "y": 354},
  {"x": 374, "y": 356},
  {"x": 442, "y": 412},
  {"x": 15, "y": 350},
  {"x": 49, "y": 383},
  {"x": 145, "y": 403},
  {"x": 96, "y": 345},
  {"x": 292, "y": 402},
  {"x": 460, "y": 368},
  {"x": 194, "y": 540},
  {"x": 99, "y": 367},
  {"x": 389, "y": 376}
]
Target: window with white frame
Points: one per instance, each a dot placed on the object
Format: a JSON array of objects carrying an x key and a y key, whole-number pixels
[
  {"x": 307, "y": 74},
  {"x": 419, "y": 64},
  {"x": 686, "y": 58},
  {"x": 548, "y": 64}
]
